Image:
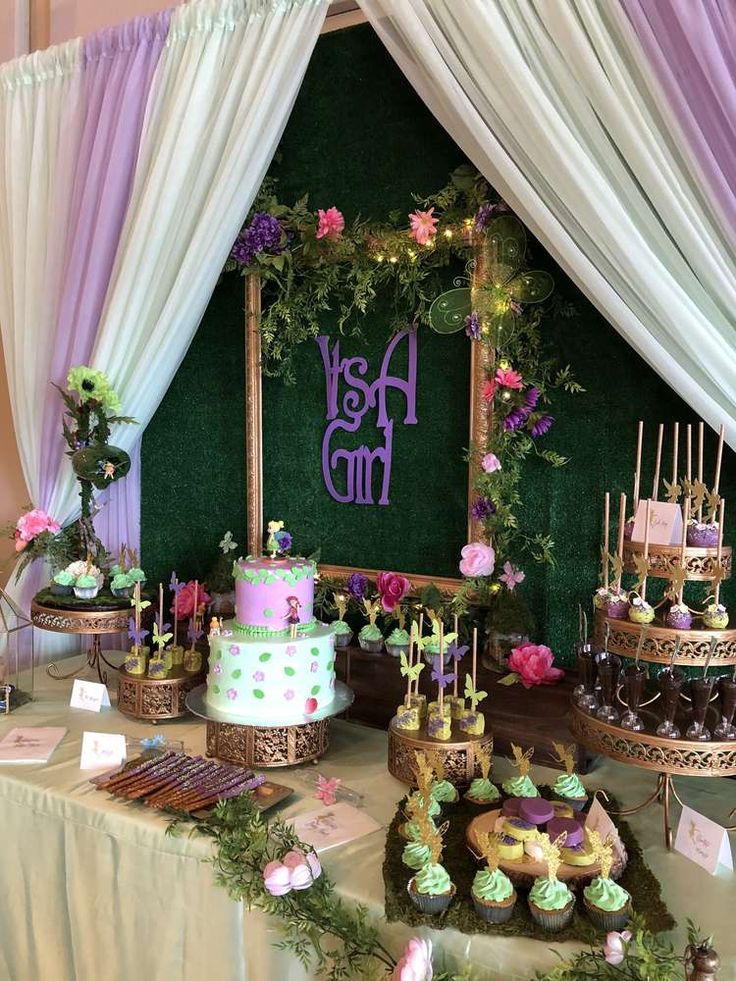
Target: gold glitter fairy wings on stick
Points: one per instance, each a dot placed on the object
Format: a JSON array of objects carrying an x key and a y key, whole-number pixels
[
  {"x": 437, "y": 764},
  {"x": 522, "y": 760},
  {"x": 424, "y": 774},
  {"x": 483, "y": 759},
  {"x": 565, "y": 754},
  {"x": 642, "y": 571},
  {"x": 488, "y": 844},
  {"x": 602, "y": 851},
  {"x": 430, "y": 834},
  {"x": 551, "y": 851}
]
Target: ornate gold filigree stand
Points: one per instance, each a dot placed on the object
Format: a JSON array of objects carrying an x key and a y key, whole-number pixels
[
  {"x": 154, "y": 699},
  {"x": 458, "y": 753},
  {"x": 660, "y": 641},
  {"x": 664, "y": 561},
  {"x": 94, "y": 623},
  {"x": 258, "y": 746},
  {"x": 667, "y": 757}
]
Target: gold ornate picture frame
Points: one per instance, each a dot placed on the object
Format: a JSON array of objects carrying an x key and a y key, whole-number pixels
[{"x": 481, "y": 358}]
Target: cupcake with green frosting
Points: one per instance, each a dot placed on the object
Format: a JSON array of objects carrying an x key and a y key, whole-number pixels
[
  {"x": 416, "y": 802},
  {"x": 567, "y": 787},
  {"x": 370, "y": 638},
  {"x": 416, "y": 855},
  {"x": 481, "y": 791},
  {"x": 520, "y": 786},
  {"x": 444, "y": 792},
  {"x": 608, "y": 904},
  {"x": 63, "y": 583},
  {"x": 136, "y": 575},
  {"x": 551, "y": 903},
  {"x": 397, "y": 642},
  {"x": 343, "y": 633},
  {"x": 86, "y": 586},
  {"x": 494, "y": 897},
  {"x": 121, "y": 585},
  {"x": 431, "y": 889}
]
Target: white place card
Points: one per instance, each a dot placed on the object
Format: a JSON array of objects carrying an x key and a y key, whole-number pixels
[
  {"x": 703, "y": 841},
  {"x": 665, "y": 523},
  {"x": 327, "y": 827},
  {"x": 102, "y": 750},
  {"x": 599, "y": 820},
  {"x": 31, "y": 744},
  {"x": 89, "y": 695}
]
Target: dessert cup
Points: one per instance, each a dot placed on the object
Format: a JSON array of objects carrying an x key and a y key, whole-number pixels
[
  {"x": 635, "y": 679},
  {"x": 588, "y": 673},
  {"x": 727, "y": 694},
  {"x": 670, "y": 685},
  {"x": 609, "y": 668},
  {"x": 701, "y": 690}
]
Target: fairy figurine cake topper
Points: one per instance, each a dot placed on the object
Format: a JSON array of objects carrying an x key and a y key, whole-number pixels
[
  {"x": 565, "y": 754},
  {"x": 278, "y": 541},
  {"x": 522, "y": 760},
  {"x": 488, "y": 844}
]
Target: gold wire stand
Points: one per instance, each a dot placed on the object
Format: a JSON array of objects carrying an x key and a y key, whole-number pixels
[{"x": 93, "y": 623}]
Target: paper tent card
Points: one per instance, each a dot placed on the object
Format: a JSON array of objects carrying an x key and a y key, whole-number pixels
[{"x": 665, "y": 523}]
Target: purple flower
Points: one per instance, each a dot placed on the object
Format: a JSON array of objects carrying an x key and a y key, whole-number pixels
[
  {"x": 262, "y": 235},
  {"x": 356, "y": 586},
  {"x": 483, "y": 215},
  {"x": 472, "y": 326},
  {"x": 515, "y": 419},
  {"x": 542, "y": 426},
  {"x": 531, "y": 398},
  {"x": 482, "y": 508},
  {"x": 284, "y": 540}
]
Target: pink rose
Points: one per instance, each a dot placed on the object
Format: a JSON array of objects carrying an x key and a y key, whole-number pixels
[
  {"x": 185, "y": 599},
  {"x": 32, "y": 524},
  {"x": 392, "y": 588},
  {"x": 277, "y": 879},
  {"x": 416, "y": 962},
  {"x": 331, "y": 223},
  {"x": 20, "y": 544},
  {"x": 615, "y": 946},
  {"x": 490, "y": 463},
  {"x": 303, "y": 869},
  {"x": 478, "y": 559},
  {"x": 533, "y": 664}
]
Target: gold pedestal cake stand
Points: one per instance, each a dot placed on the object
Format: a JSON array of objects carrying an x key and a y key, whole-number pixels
[
  {"x": 253, "y": 742},
  {"x": 154, "y": 699},
  {"x": 458, "y": 753},
  {"x": 75, "y": 619},
  {"x": 660, "y": 641}
]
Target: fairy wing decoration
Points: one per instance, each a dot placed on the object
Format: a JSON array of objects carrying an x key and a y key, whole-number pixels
[{"x": 505, "y": 285}]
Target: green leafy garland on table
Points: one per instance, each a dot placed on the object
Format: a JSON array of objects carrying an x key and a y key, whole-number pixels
[{"x": 312, "y": 262}]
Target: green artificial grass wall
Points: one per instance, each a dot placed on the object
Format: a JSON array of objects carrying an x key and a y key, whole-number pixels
[{"x": 359, "y": 138}]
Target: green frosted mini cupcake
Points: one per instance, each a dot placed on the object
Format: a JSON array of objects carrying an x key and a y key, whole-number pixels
[
  {"x": 431, "y": 889},
  {"x": 520, "y": 786},
  {"x": 343, "y": 633},
  {"x": 493, "y": 896},
  {"x": 482, "y": 791},
  {"x": 608, "y": 904},
  {"x": 568, "y": 788},
  {"x": 370, "y": 638},
  {"x": 444, "y": 792},
  {"x": 397, "y": 642},
  {"x": 551, "y": 904},
  {"x": 416, "y": 855}
]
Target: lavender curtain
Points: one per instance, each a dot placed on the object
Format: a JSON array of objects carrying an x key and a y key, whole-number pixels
[{"x": 691, "y": 46}]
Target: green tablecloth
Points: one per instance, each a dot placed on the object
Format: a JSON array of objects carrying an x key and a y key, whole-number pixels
[{"x": 93, "y": 889}]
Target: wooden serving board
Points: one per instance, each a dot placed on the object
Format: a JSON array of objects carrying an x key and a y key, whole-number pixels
[{"x": 524, "y": 871}]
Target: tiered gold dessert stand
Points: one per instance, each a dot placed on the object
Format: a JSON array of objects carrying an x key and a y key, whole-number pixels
[
  {"x": 155, "y": 699},
  {"x": 73, "y": 618},
  {"x": 458, "y": 753},
  {"x": 667, "y": 757}
]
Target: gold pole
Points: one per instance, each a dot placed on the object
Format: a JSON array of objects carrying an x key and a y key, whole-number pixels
[
  {"x": 253, "y": 417},
  {"x": 482, "y": 357}
]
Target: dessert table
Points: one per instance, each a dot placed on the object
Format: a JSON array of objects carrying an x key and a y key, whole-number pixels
[{"x": 93, "y": 888}]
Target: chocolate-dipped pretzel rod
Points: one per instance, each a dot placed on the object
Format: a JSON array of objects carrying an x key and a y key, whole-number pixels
[
  {"x": 219, "y": 787},
  {"x": 221, "y": 775},
  {"x": 234, "y": 790},
  {"x": 169, "y": 796},
  {"x": 182, "y": 767},
  {"x": 133, "y": 772},
  {"x": 171, "y": 785}
]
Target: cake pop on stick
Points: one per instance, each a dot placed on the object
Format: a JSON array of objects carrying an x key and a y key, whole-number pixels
[
  {"x": 454, "y": 684},
  {"x": 193, "y": 657},
  {"x": 701, "y": 440},
  {"x": 417, "y": 701},
  {"x": 475, "y": 654},
  {"x": 441, "y": 693},
  {"x": 658, "y": 462},
  {"x": 640, "y": 611},
  {"x": 606, "y": 522},
  {"x": 473, "y": 722},
  {"x": 637, "y": 471},
  {"x": 617, "y": 605},
  {"x": 419, "y": 647},
  {"x": 715, "y": 616},
  {"x": 679, "y": 616},
  {"x": 673, "y": 488}
]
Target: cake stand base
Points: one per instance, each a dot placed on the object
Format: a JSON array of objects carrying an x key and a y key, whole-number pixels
[
  {"x": 154, "y": 699},
  {"x": 458, "y": 753},
  {"x": 258, "y": 746}
]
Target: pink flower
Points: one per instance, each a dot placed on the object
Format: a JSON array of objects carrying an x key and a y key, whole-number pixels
[
  {"x": 313, "y": 666},
  {"x": 231, "y": 694},
  {"x": 289, "y": 694},
  {"x": 489, "y": 389},
  {"x": 509, "y": 378},
  {"x": 331, "y": 223},
  {"x": 478, "y": 559},
  {"x": 277, "y": 879},
  {"x": 258, "y": 676},
  {"x": 185, "y": 600},
  {"x": 20, "y": 544},
  {"x": 490, "y": 463},
  {"x": 291, "y": 650},
  {"x": 217, "y": 669},
  {"x": 392, "y": 588},
  {"x": 533, "y": 663},
  {"x": 511, "y": 576},
  {"x": 32, "y": 524},
  {"x": 615, "y": 946},
  {"x": 416, "y": 962},
  {"x": 234, "y": 650},
  {"x": 303, "y": 869},
  {"x": 326, "y": 789},
  {"x": 423, "y": 226}
]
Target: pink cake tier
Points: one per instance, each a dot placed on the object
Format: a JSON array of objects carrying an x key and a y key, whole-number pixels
[{"x": 262, "y": 590}]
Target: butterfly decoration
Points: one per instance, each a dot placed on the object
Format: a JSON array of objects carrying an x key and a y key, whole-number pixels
[
  {"x": 457, "y": 653},
  {"x": 137, "y": 636},
  {"x": 174, "y": 585},
  {"x": 162, "y": 627},
  {"x": 505, "y": 286},
  {"x": 471, "y": 692},
  {"x": 139, "y": 605},
  {"x": 160, "y": 639},
  {"x": 411, "y": 672},
  {"x": 442, "y": 679},
  {"x": 673, "y": 491},
  {"x": 448, "y": 638},
  {"x": 227, "y": 544},
  {"x": 193, "y": 633}
]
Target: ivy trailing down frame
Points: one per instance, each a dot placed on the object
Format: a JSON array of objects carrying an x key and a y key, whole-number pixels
[{"x": 310, "y": 262}]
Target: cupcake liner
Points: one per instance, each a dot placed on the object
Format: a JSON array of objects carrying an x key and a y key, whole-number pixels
[
  {"x": 576, "y": 803},
  {"x": 374, "y": 646},
  {"x": 343, "y": 640},
  {"x": 552, "y": 919},
  {"x": 396, "y": 650},
  {"x": 58, "y": 590},
  {"x": 430, "y": 904},
  {"x": 86, "y": 592},
  {"x": 481, "y": 803},
  {"x": 608, "y": 920},
  {"x": 494, "y": 912}
]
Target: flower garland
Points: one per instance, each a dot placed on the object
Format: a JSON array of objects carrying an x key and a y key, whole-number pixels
[{"x": 312, "y": 262}]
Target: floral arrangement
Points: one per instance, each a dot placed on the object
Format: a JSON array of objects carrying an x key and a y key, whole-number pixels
[
  {"x": 533, "y": 664},
  {"x": 185, "y": 598}
]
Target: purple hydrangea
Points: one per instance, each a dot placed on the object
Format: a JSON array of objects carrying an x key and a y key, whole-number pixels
[
  {"x": 472, "y": 326},
  {"x": 262, "y": 235},
  {"x": 542, "y": 426},
  {"x": 482, "y": 508},
  {"x": 356, "y": 586},
  {"x": 483, "y": 215},
  {"x": 515, "y": 419},
  {"x": 531, "y": 398}
]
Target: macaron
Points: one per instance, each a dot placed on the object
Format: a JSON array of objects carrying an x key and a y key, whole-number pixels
[
  {"x": 579, "y": 855},
  {"x": 567, "y": 826},
  {"x": 562, "y": 810},
  {"x": 510, "y": 807},
  {"x": 510, "y": 849},
  {"x": 519, "y": 829},
  {"x": 536, "y": 810}
]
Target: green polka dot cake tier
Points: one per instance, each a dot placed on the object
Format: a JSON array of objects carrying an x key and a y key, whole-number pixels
[{"x": 280, "y": 679}]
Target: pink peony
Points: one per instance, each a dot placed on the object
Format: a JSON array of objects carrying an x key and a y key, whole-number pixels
[
  {"x": 478, "y": 559},
  {"x": 489, "y": 389},
  {"x": 423, "y": 226},
  {"x": 533, "y": 664},
  {"x": 303, "y": 869},
  {"x": 277, "y": 879},
  {"x": 185, "y": 599},
  {"x": 416, "y": 962},
  {"x": 331, "y": 223},
  {"x": 392, "y": 588},
  {"x": 490, "y": 463},
  {"x": 509, "y": 378},
  {"x": 32, "y": 524},
  {"x": 615, "y": 946}
]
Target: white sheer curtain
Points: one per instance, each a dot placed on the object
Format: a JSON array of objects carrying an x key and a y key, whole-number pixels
[{"x": 554, "y": 103}]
